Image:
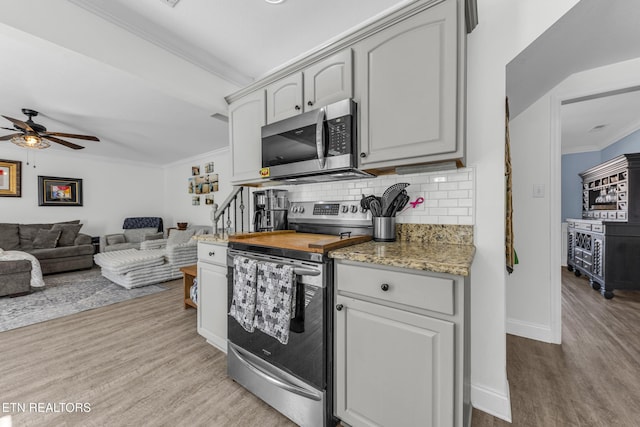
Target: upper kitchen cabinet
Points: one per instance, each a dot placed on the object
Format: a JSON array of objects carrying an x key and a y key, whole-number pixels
[
  {"x": 246, "y": 118},
  {"x": 328, "y": 81},
  {"x": 325, "y": 82},
  {"x": 408, "y": 82},
  {"x": 284, "y": 98}
]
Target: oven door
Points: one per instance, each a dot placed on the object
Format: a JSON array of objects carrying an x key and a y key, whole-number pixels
[{"x": 304, "y": 356}]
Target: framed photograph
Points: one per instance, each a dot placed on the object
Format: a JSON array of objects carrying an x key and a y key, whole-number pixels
[
  {"x": 208, "y": 167},
  {"x": 55, "y": 191},
  {"x": 195, "y": 170},
  {"x": 10, "y": 177},
  {"x": 195, "y": 200},
  {"x": 208, "y": 199}
]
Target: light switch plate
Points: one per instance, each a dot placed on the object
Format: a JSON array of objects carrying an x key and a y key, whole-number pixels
[{"x": 538, "y": 190}]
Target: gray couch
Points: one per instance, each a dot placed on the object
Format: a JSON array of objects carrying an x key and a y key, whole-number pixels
[
  {"x": 15, "y": 278},
  {"x": 57, "y": 246}
]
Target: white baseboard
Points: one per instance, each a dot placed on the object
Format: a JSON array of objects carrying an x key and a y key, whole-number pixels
[
  {"x": 534, "y": 331},
  {"x": 491, "y": 401}
]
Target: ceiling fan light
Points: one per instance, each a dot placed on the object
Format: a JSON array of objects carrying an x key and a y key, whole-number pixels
[
  {"x": 30, "y": 141},
  {"x": 274, "y": 1}
]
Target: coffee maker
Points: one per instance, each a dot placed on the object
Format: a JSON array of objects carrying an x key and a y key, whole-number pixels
[{"x": 270, "y": 210}]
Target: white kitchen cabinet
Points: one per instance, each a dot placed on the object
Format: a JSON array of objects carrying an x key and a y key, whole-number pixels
[
  {"x": 246, "y": 118},
  {"x": 407, "y": 89},
  {"x": 401, "y": 347},
  {"x": 326, "y": 81},
  {"x": 329, "y": 80},
  {"x": 212, "y": 293}
]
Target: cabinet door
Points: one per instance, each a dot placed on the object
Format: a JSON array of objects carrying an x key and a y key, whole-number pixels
[
  {"x": 406, "y": 78},
  {"x": 284, "y": 98},
  {"x": 212, "y": 304},
  {"x": 246, "y": 118},
  {"x": 328, "y": 81},
  {"x": 393, "y": 368}
]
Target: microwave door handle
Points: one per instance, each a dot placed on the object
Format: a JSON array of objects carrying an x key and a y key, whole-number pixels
[{"x": 320, "y": 137}]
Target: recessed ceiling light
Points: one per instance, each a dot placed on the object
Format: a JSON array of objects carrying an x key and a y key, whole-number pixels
[{"x": 274, "y": 1}]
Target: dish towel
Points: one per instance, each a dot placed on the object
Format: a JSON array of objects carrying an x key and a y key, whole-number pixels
[
  {"x": 274, "y": 299},
  {"x": 243, "y": 303}
]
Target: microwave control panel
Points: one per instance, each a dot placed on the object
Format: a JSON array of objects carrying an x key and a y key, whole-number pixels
[{"x": 340, "y": 140}]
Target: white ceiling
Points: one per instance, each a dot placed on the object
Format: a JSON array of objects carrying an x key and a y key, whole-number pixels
[
  {"x": 145, "y": 77},
  {"x": 592, "y": 34}
]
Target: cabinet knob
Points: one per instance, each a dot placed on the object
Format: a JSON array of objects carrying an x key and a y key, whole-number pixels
[
  {"x": 212, "y": 253},
  {"x": 339, "y": 307},
  {"x": 363, "y": 155},
  {"x": 384, "y": 287},
  {"x": 297, "y": 107},
  {"x": 310, "y": 103}
]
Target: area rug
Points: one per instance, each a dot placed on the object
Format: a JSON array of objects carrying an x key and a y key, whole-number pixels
[{"x": 65, "y": 294}]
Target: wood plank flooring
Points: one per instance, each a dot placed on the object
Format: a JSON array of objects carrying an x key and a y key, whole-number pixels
[
  {"x": 592, "y": 379},
  {"x": 137, "y": 363},
  {"x": 142, "y": 363}
]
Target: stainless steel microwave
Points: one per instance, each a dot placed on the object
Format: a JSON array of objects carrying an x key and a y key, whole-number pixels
[{"x": 316, "y": 146}]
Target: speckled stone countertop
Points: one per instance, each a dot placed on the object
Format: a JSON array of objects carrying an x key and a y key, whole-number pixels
[
  {"x": 212, "y": 238},
  {"x": 431, "y": 247}
]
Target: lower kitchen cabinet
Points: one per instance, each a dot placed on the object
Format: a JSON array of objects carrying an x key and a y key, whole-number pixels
[
  {"x": 212, "y": 293},
  {"x": 401, "y": 347}
]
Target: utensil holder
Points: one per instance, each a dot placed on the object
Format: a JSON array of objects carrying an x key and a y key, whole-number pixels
[{"x": 384, "y": 228}]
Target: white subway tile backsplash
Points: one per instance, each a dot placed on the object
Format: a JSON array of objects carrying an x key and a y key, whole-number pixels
[{"x": 449, "y": 196}]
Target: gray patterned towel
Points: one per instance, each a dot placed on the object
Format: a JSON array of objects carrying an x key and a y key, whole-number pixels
[
  {"x": 243, "y": 304},
  {"x": 276, "y": 286}
]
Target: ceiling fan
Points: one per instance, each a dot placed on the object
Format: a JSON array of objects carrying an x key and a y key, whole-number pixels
[{"x": 34, "y": 135}]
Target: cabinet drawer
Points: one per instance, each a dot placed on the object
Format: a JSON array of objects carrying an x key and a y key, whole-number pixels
[
  {"x": 215, "y": 254},
  {"x": 597, "y": 227},
  {"x": 416, "y": 290}
]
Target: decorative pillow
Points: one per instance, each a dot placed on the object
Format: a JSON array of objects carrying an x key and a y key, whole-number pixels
[
  {"x": 46, "y": 239},
  {"x": 69, "y": 233},
  {"x": 114, "y": 239},
  {"x": 179, "y": 236},
  {"x": 9, "y": 237},
  {"x": 154, "y": 236}
]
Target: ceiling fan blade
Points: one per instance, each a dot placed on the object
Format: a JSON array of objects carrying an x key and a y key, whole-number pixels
[
  {"x": 8, "y": 137},
  {"x": 19, "y": 123},
  {"x": 70, "y": 135},
  {"x": 63, "y": 142}
]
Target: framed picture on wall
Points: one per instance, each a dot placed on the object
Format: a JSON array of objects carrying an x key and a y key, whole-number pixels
[
  {"x": 10, "y": 177},
  {"x": 55, "y": 191}
]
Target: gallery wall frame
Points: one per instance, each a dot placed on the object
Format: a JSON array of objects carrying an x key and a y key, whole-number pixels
[
  {"x": 10, "y": 178},
  {"x": 56, "y": 191}
]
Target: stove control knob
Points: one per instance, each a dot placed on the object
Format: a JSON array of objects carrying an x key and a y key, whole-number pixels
[
  {"x": 362, "y": 209},
  {"x": 295, "y": 209},
  {"x": 345, "y": 209},
  {"x": 300, "y": 209},
  {"x": 354, "y": 209}
]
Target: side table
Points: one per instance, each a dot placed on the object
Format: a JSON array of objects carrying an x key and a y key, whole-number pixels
[{"x": 188, "y": 274}]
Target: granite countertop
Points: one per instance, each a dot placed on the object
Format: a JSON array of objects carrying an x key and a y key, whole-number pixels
[{"x": 436, "y": 248}]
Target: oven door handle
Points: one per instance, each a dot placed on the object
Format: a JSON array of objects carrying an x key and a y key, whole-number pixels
[
  {"x": 305, "y": 272},
  {"x": 320, "y": 138},
  {"x": 275, "y": 381}
]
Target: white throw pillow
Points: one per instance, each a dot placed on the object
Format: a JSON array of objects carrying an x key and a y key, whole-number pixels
[{"x": 179, "y": 236}]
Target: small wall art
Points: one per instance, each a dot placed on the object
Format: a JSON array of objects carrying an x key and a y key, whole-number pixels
[
  {"x": 10, "y": 178},
  {"x": 55, "y": 191},
  {"x": 208, "y": 167}
]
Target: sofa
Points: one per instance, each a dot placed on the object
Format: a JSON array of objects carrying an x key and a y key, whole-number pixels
[
  {"x": 135, "y": 231},
  {"x": 15, "y": 277},
  {"x": 57, "y": 246}
]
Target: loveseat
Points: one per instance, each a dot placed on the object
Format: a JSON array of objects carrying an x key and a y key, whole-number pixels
[
  {"x": 135, "y": 231},
  {"x": 57, "y": 246}
]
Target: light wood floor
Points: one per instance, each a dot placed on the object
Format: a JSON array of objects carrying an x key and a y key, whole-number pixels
[
  {"x": 142, "y": 363},
  {"x": 592, "y": 379}
]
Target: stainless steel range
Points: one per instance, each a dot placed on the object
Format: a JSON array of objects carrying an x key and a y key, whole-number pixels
[{"x": 295, "y": 378}]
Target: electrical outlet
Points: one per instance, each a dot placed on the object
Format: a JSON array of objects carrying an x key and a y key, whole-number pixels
[{"x": 416, "y": 202}]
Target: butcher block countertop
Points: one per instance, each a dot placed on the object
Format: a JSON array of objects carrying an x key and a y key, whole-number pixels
[
  {"x": 289, "y": 239},
  {"x": 436, "y": 248}
]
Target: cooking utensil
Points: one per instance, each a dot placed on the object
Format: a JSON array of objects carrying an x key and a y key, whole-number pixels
[
  {"x": 392, "y": 206},
  {"x": 375, "y": 207},
  {"x": 402, "y": 202},
  {"x": 388, "y": 199},
  {"x": 399, "y": 186},
  {"x": 365, "y": 201}
]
